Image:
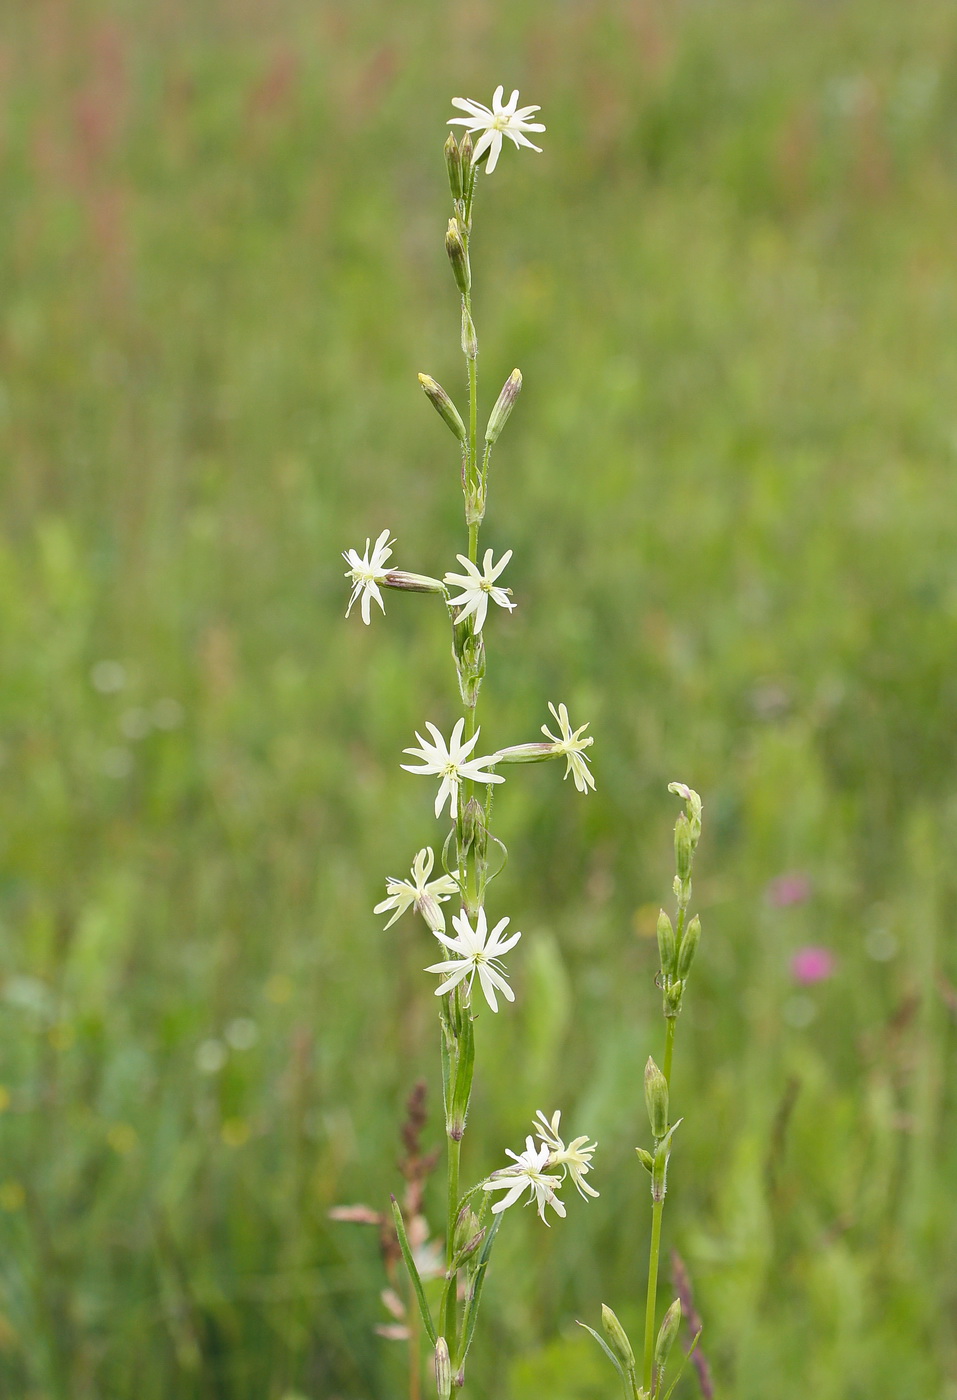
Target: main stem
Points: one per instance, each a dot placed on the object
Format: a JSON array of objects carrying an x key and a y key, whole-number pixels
[
  {"x": 450, "y": 1322},
  {"x": 657, "y": 1211}
]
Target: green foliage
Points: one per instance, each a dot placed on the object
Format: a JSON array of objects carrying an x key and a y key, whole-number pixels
[{"x": 729, "y": 485}]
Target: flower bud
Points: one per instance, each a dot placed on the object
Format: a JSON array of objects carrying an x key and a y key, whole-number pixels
[
  {"x": 646, "y": 1159},
  {"x": 618, "y": 1337},
  {"x": 527, "y": 753},
  {"x": 466, "y": 148},
  {"x": 656, "y": 1099},
  {"x": 443, "y": 406},
  {"x": 468, "y": 1232},
  {"x": 683, "y": 847},
  {"x": 689, "y": 946},
  {"x": 503, "y": 406},
  {"x": 474, "y": 830},
  {"x": 666, "y": 1335},
  {"x": 412, "y": 583},
  {"x": 458, "y": 257},
  {"x": 469, "y": 338},
  {"x": 667, "y": 948},
  {"x": 443, "y": 1369},
  {"x": 453, "y": 161}
]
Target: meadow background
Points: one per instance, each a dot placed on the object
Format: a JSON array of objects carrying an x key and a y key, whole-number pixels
[{"x": 730, "y": 488}]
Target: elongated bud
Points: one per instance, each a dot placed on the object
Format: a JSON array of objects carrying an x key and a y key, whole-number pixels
[
  {"x": 503, "y": 406},
  {"x": 469, "y": 338},
  {"x": 458, "y": 257},
  {"x": 453, "y": 161},
  {"x": 474, "y": 830},
  {"x": 618, "y": 1337},
  {"x": 466, "y": 149},
  {"x": 646, "y": 1159},
  {"x": 683, "y": 847},
  {"x": 469, "y": 1234},
  {"x": 443, "y": 1369},
  {"x": 527, "y": 753},
  {"x": 666, "y": 1335},
  {"x": 412, "y": 583},
  {"x": 656, "y": 1099},
  {"x": 443, "y": 406},
  {"x": 667, "y": 948},
  {"x": 689, "y": 946}
]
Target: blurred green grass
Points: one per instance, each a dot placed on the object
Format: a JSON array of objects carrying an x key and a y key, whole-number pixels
[{"x": 730, "y": 489}]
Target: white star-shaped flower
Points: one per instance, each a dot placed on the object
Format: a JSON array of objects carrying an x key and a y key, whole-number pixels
[
  {"x": 367, "y": 573},
  {"x": 425, "y": 894},
  {"x": 528, "y": 1173},
  {"x": 451, "y": 761},
  {"x": 575, "y": 1158},
  {"x": 478, "y": 951},
  {"x": 495, "y": 122},
  {"x": 571, "y": 745},
  {"x": 477, "y": 587}
]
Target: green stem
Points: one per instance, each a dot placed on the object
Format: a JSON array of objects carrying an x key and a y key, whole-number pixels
[
  {"x": 670, "y": 1023},
  {"x": 449, "y": 1323},
  {"x": 656, "y": 1214}
]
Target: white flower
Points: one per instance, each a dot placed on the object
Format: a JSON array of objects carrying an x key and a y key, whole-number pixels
[
  {"x": 478, "y": 587},
  {"x": 575, "y": 1158},
  {"x": 421, "y": 892},
  {"x": 478, "y": 951},
  {"x": 528, "y": 1171},
  {"x": 367, "y": 573},
  {"x": 571, "y": 745},
  {"x": 452, "y": 762},
  {"x": 495, "y": 122},
  {"x": 424, "y": 894}
]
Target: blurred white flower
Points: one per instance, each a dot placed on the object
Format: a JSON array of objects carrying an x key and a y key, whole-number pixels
[
  {"x": 477, "y": 587},
  {"x": 495, "y": 122},
  {"x": 478, "y": 951},
  {"x": 367, "y": 573},
  {"x": 426, "y": 895},
  {"x": 575, "y": 1158},
  {"x": 527, "y": 1173},
  {"x": 571, "y": 745},
  {"x": 451, "y": 762}
]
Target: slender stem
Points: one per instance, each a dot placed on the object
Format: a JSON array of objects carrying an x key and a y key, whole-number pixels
[
  {"x": 656, "y": 1214},
  {"x": 670, "y": 1023},
  {"x": 455, "y": 1154}
]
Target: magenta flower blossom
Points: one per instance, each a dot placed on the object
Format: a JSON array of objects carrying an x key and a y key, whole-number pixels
[{"x": 812, "y": 965}]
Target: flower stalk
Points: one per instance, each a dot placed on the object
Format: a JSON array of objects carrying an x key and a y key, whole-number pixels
[{"x": 471, "y": 963}]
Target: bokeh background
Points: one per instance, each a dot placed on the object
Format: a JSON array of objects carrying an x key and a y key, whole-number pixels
[{"x": 730, "y": 488}]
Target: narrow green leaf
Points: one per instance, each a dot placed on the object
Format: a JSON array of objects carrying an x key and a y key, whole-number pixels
[
  {"x": 475, "y": 1294},
  {"x": 687, "y": 1357},
  {"x": 626, "y": 1380},
  {"x": 413, "y": 1272}
]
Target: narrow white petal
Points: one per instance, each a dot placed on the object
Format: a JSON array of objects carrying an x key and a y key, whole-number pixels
[{"x": 495, "y": 149}]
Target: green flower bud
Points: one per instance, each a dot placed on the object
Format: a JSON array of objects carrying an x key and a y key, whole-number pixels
[
  {"x": 618, "y": 1337},
  {"x": 466, "y": 149},
  {"x": 469, "y": 338},
  {"x": 453, "y": 161},
  {"x": 443, "y": 406},
  {"x": 474, "y": 830},
  {"x": 689, "y": 946},
  {"x": 666, "y": 1335},
  {"x": 656, "y": 1099},
  {"x": 667, "y": 948},
  {"x": 443, "y": 1369},
  {"x": 683, "y": 847},
  {"x": 646, "y": 1159},
  {"x": 503, "y": 406},
  {"x": 458, "y": 257}
]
